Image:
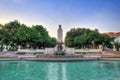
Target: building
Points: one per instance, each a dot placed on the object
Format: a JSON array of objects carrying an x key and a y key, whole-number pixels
[
  {"x": 114, "y": 34},
  {"x": 60, "y": 34}
]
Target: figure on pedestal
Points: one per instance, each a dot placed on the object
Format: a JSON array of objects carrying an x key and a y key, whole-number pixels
[{"x": 60, "y": 47}]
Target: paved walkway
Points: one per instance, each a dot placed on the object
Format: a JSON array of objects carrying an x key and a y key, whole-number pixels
[
  {"x": 92, "y": 55},
  {"x": 13, "y": 54},
  {"x": 110, "y": 54},
  {"x": 106, "y": 55}
]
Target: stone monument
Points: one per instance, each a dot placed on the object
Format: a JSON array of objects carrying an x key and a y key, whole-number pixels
[
  {"x": 59, "y": 34},
  {"x": 60, "y": 47}
]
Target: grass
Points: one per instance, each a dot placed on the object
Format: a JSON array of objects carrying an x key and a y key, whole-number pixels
[
  {"x": 86, "y": 52},
  {"x": 29, "y": 53},
  {"x": 21, "y": 53},
  {"x": 115, "y": 57}
]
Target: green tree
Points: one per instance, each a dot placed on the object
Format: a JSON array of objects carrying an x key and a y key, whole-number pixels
[
  {"x": 81, "y": 41},
  {"x": 95, "y": 38},
  {"x": 70, "y": 36},
  {"x": 117, "y": 46},
  {"x": 9, "y": 33},
  {"x": 14, "y": 34},
  {"x": 27, "y": 36},
  {"x": 1, "y": 34},
  {"x": 43, "y": 37},
  {"x": 86, "y": 38},
  {"x": 1, "y": 39},
  {"x": 107, "y": 41},
  {"x": 52, "y": 42}
]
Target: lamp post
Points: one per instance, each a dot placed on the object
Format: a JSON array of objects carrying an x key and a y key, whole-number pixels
[
  {"x": 103, "y": 46},
  {"x": 93, "y": 44},
  {"x": 0, "y": 46}
]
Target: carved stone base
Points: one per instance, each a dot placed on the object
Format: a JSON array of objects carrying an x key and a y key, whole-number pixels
[{"x": 59, "y": 52}]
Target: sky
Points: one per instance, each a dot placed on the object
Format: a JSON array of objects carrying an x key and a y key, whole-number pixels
[{"x": 103, "y": 15}]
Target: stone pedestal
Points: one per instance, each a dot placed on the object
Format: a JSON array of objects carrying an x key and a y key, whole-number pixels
[{"x": 60, "y": 49}]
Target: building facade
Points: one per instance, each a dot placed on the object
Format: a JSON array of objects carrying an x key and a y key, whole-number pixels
[{"x": 114, "y": 34}]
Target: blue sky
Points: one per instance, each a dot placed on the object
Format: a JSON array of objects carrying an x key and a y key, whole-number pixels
[{"x": 101, "y": 14}]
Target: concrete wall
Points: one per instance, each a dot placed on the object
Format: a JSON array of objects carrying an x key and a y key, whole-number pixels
[
  {"x": 31, "y": 50},
  {"x": 88, "y": 50},
  {"x": 51, "y": 50},
  {"x": 70, "y": 50}
]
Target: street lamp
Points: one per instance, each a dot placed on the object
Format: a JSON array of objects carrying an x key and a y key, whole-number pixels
[
  {"x": 103, "y": 46},
  {"x": 93, "y": 44}
]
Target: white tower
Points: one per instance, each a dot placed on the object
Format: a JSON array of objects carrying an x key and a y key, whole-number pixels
[{"x": 60, "y": 34}]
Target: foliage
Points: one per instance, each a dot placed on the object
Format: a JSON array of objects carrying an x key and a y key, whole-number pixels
[
  {"x": 52, "y": 42},
  {"x": 86, "y": 38},
  {"x": 1, "y": 47},
  {"x": 43, "y": 37},
  {"x": 86, "y": 53},
  {"x": 21, "y": 53},
  {"x": 70, "y": 36},
  {"x": 10, "y": 29},
  {"x": 1, "y": 34},
  {"x": 15, "y": 34},
  {"x": 81, "y": 41},
  {"x": 44, "y": 40},
  {"x": 27, "y": 36},
  {"x": 117, "y": 46}
]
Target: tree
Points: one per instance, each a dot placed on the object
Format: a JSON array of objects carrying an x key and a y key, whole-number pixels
[
  {"x": 70, "y": 36},
  {"x": 10, "y": 29},
  {"x": 1, "y": 34},
  {"x": 14, "y": 34},
  {"x": 81, "y": 41},
  {"x": 117, "y": 46},
  {"x": 27, "y": 36},
  {"x": 95, "y": 38},
  {"x": 43, "y": 37},
  {"x": 1, "y": 39},
  {"x": 52, "y": 42},
  {"x": 86, "y": 38},
  {"x": 107, "y": 41}
]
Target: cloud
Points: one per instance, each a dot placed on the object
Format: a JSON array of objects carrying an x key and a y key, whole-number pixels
[{"x": 3, "y": 21}]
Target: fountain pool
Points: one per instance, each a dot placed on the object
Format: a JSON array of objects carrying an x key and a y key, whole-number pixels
[{"x": 87, "y": 70}]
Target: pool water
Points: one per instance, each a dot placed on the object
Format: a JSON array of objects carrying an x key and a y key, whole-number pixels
[{"x": 91, "y": 70}]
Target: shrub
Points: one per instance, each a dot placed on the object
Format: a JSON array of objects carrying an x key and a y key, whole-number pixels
[{"x": 117, "y": 46}]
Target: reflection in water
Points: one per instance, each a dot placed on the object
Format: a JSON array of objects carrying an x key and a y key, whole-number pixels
[
  {"x": 52, "y": 72},
  {"x": 57, "y": 71},
  {"x": 64, "y": 76},
  {"x": 26, "y": 68}
]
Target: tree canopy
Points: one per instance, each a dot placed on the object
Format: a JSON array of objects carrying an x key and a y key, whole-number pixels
[
  {"x": 86, "y": 38},
  {"x": 16, "y": 34}
]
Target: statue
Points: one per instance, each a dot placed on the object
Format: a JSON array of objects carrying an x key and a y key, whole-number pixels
[{"x": 60, "y": 47}]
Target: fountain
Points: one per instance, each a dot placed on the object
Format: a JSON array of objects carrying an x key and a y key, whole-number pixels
[{"x": 60, "y": 47}]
